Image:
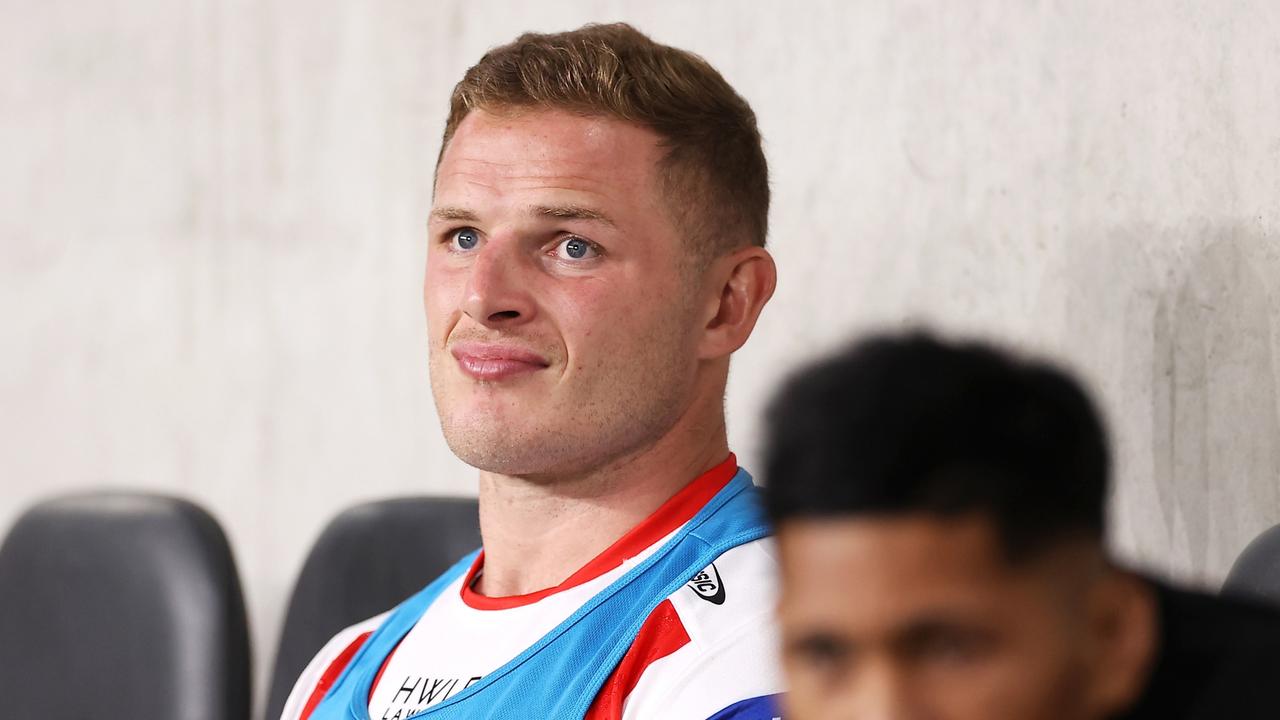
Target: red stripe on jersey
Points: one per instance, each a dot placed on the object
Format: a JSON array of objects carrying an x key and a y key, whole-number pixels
[
  {"x": 661, "y": 635},
  {"x": 671, "y": 515},
  {"x": 331, "y": 674}
]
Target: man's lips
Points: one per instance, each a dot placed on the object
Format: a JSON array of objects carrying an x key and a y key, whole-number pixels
[{"x": 491, "y": 361}]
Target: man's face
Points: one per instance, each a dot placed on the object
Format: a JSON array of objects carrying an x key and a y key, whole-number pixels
[
  {"x": 561, "y": 322},
  {"x": 922, "y": 618}
]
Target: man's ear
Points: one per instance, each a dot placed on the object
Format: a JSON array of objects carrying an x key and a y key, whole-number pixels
[
  {"x": 742, "y": 282},
  {"x": 1124, "y": 624}
]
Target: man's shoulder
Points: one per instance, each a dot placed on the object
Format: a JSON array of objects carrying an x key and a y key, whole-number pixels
[
  {"x": 717, "y": 641},
  {"x": 328, "y": 663},
  {"x": 343, "y": 640},
  {"x": 737, "y": 588},
  {"x": 1219, "y": 657},
  {"x": 1198, "y": 623}
]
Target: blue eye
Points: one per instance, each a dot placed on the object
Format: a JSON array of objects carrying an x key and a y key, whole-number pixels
[
  {"x": 466, "y": 239},
  {"x": 575, "y": 248}
]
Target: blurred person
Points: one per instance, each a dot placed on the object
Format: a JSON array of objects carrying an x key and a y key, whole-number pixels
[
  {"x": 940, "y": 515},
  {"x": 596, "y": 254}
]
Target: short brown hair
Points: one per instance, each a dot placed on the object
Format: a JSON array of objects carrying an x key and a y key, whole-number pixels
[{"x": 714, "y": 173}]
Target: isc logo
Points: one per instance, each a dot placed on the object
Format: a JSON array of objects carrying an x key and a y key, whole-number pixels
[{"x": 708, "y": 586}]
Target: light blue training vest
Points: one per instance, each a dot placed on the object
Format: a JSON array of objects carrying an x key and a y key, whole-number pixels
[{"x": 560, "y": 675}]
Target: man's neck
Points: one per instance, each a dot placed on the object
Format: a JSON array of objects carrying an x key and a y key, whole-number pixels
[{"x": 538, "y": 533}]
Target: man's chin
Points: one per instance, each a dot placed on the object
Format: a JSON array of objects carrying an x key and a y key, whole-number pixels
[
  {"x": 510, "y": 462},
  {"x": 504, "y": 451}
]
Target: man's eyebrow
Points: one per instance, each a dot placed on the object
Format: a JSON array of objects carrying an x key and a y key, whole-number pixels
[
  {"x": 933, "y": 626},
  {"x": 572, "y": 212},
  {"x": 561, "y": 212},
  {"x": 453, "y": 213}
]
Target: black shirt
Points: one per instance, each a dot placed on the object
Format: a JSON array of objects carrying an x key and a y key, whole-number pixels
[{"x": 1218, "y": 659}]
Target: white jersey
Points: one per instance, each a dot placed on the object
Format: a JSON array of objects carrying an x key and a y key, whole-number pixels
[{"x": 707, "y": 649}]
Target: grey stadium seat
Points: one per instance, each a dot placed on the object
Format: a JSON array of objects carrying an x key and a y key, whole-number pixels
[
  {"x": 117, "y": 605},
  {"x": 1256, "y": 573},
  {"x": 367, "y": 560}
]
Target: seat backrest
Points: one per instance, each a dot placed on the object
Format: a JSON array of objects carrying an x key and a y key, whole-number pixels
[
  {"x": 117, "y": 605},
  {"x": 1256, "y": 573},
  {"x": 366, "y": 561}
]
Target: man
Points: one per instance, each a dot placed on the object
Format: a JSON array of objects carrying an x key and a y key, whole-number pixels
[
  {"x": 596, "y": 254},
  {"x": 940, "y": 515}
]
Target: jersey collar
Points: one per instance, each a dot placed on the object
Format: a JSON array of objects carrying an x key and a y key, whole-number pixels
[{"x": 676, "y": 511}]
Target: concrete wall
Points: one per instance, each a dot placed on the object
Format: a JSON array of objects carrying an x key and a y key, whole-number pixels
[{"x": 211, "y": 236}]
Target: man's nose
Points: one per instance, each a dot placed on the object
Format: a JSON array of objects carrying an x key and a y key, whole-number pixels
[
  {"x": 881, "y": 694},
  {"x": 497, "y": 292}
]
